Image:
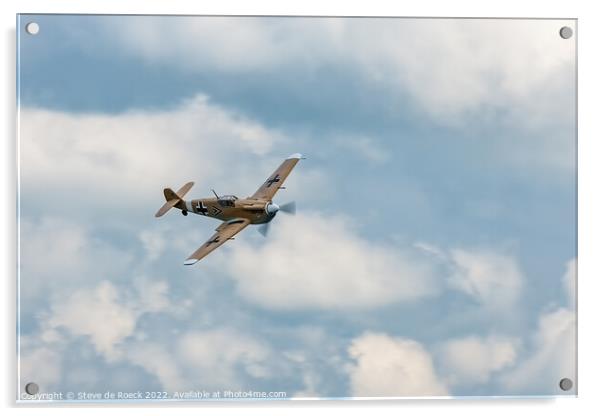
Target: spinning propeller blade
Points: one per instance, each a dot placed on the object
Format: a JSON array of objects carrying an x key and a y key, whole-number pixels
[
  {"x": 264, "y": 229},
  {"x": 289, "y": 208}
]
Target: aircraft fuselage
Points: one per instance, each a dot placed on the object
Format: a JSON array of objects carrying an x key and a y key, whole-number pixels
[{"x": 257, "y": 211}]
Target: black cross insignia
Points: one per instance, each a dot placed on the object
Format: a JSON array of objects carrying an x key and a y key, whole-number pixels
[
  {"x": 214, "y": 241},
  {"x": 200, "y": 208},
  {"x": 273, "y": 180}
]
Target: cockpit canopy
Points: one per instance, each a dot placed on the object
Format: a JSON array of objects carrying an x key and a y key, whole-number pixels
[{"x": 227, "y": 200}]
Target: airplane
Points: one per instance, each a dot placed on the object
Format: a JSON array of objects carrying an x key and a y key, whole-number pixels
[{"x": 236, "y": 213}]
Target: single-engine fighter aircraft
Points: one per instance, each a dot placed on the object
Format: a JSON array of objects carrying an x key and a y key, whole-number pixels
[{"x": 235, "y": 213}]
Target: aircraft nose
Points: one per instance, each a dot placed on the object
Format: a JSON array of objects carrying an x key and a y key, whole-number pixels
[{"x": 272, "y": 208}]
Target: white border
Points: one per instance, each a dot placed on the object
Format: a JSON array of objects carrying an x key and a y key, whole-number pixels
[{"x": 589, "y": 191}]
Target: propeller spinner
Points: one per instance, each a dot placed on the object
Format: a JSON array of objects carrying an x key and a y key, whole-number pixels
[{"x": 272, "y": 208}]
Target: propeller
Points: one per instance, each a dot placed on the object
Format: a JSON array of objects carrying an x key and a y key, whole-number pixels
[
  {"x": 289, "y": 208},
  {"x": 264, "y": 229}
]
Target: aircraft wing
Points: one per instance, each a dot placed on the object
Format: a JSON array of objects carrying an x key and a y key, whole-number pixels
[
  {"x": 226, "y": 230},
  {"x": 275, "y": 181}
]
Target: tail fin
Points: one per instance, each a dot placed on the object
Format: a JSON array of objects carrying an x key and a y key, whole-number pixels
[{"x": 174, "y": 199}]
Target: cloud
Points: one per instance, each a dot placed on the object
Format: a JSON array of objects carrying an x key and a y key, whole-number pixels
[
  {"x": 328, "y": 266},
  {"x": 392, "y": 367},
  {"x": 570, "y": 281},
  {"x": 105, "y": 314},
  {"x": 153, "y": 242},
  {"x": 126, "y": 158},
  {"x": 56, "y": 252},
  {"x": 494, "y": 280},
  {"x": 156, "y": 360},
  {"x": 68, "y": 291},
  {"x": 224, "y": 43},
  {"x": 41, "y": 365},
  {"x": 473, "y": 359},
  {"x": 212, "y": 359},
  {"x": 317, "y": 261},
  {"x": 449, "y": 67},
  {"x": 553, "y": 351},
  {"x": 151, "y": 296},
  {"x": 108, "y": 317},
  {"x": 317, "y": 358},
  {"x": 221, "y": 355},
  {"x": 46, "y": 262},
  {"x": 458, "y": 67},
  {"x": 513, "y": 77},
  {"x": 553, "y": 357}
]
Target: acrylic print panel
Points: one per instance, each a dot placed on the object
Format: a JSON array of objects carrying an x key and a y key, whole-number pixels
[{"x": 433, "y": 166}]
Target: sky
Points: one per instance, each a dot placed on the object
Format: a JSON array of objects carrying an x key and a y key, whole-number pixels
[{"x": 434, "y": 248}]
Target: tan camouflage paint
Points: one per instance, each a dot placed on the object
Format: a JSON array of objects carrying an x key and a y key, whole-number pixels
[{"x": 236, "y": 214}]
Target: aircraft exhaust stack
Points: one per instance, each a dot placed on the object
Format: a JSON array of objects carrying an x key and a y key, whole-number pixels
[{"x": 174, "y": 199}]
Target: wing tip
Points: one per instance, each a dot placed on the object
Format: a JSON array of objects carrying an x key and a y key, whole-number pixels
[
  {"x": 190, "y": 262},
  {"x": 295, "y": 156}
]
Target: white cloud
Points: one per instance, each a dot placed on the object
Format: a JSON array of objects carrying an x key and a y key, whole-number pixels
[
  {"x": 96, "y": 314},
  {"x": 56, "y": 252},
  {"x": 473, "y": 360},
  {"x": 493, "y": 279},
  {"x": 106, "y": 315},
  {"x": 154, "y": 243},
  {"x": 431, "y": 249},
  {"x": 553, "y": 353},
  {"x": 453, "y": 66},
  {"x": 223, "y": 43},
  {"x": 316, "y": 261},
  {"x": 127, "y": 158},
  {"x": 47, "y": 246},
  {"x": 151, "y": 296},
  {"x": 221, "y": 355},
  {"x": 317, "y": 357},
  {"x": 552, "y": 359},
  {"x": 211, "y": 359},
  {"x": 459, "y": 72},
  {"x": 387, "y": 366},
  {"x": 155, "y": 359},
  {"x": 41, "y": 365},
  {"x": 449, "y": 66},
  {"x": 64, "y": 266},
  {"x": 570, "y": 281}
]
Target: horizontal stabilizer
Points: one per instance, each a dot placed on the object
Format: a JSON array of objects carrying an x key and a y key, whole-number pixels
[
  {"x": 166, "y": 207},
  {"x": 173, "y": 198}
]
